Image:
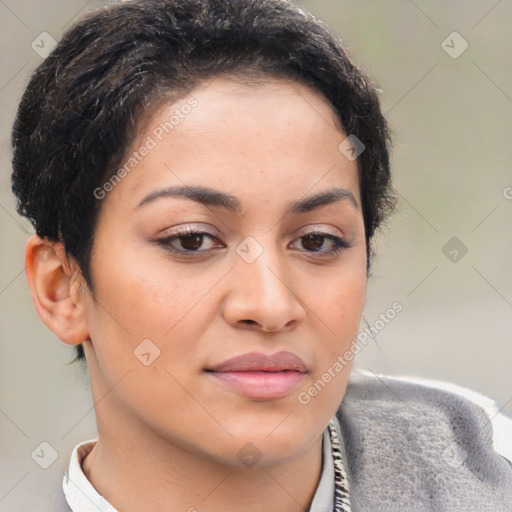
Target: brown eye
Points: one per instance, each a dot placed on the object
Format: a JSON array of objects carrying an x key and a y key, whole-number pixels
[
  {"x": 319, "y": 244},
  {"x": 313, "y": 242},
  {"x": 191, "y": 242}
]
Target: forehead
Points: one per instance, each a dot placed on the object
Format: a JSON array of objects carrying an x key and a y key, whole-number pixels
[{"x": 231, "y": 135}]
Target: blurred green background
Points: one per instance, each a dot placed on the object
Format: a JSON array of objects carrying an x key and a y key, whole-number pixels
[{"x": 451, "y": 113}]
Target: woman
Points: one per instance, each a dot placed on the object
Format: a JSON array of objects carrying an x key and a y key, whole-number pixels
[{"x": 205, "y": 179}]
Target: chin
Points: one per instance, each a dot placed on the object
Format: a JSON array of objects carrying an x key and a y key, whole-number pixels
[{"x": 270, "y": 440}]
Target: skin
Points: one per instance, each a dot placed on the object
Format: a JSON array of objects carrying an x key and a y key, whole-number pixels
[{"x": 170, "y": 427}]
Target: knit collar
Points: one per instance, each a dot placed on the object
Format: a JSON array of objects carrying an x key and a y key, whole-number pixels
[{"x": 341, "y": 492}]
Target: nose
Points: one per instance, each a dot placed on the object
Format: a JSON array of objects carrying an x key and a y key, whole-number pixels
[{"x": 261, "y": 296}]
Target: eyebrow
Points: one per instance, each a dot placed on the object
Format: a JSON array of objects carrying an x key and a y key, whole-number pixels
[
  {"x": 203, "y": 195},
  {"x": 212, "y": 197},
  {"x": 325, "y": 198}
]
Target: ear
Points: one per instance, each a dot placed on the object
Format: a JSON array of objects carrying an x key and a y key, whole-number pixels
[{"x": 55, "y": 288}]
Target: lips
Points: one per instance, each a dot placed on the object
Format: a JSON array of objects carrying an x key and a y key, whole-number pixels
[
  {"x": 255, "y": 361},
  {"x": 259, "y": 376}
]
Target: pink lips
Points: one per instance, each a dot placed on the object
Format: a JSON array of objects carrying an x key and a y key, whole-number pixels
[{"x": 259, "y": 376}]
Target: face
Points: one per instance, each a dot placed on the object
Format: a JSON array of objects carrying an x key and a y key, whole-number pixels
[{"x": 237, "y": 234}]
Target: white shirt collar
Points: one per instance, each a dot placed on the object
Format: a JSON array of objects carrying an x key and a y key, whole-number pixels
[
  {"x": 83, "y": 497},
  {"x": 80, "y": 494},
  {"x": 323, "y": 501}
]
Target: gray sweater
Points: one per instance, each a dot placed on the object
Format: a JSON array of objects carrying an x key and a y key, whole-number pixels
[{"x": 416, "y": 448}]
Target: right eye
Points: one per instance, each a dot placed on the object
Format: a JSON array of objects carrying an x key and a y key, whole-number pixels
[{"x": 192, "y": 242}]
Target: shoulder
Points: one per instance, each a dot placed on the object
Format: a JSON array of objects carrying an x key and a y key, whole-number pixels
[
  {"x": 501, "y": 423},
  {"x": 427, "y": 441}
]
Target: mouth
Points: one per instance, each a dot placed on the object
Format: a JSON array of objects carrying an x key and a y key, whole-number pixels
[{"x": 261, "y": 377}]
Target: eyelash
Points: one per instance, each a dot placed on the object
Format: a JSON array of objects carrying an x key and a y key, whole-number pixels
[
  {"x": 338, "y": 243},
  {"x": 183, "y": 234}
]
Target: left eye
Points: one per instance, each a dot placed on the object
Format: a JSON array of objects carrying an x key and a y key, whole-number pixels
[{"x": 321, "y": 243}]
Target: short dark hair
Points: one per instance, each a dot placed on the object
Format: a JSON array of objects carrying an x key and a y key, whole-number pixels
[{"x": 81, "y": 108}]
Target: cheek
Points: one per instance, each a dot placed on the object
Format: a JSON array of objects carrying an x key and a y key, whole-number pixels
[
  {"x": 338, "y": 304},
  {"x": 342, "y": 313},
  {"x": 341, "y": 297},
  {"x": 145, "y": 315},
  {"x": 137, "y": 301},
  {"x": 346, "y": 304}
]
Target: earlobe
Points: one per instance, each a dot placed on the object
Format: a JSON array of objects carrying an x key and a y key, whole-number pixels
[{"x": 54, "y": 286}]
